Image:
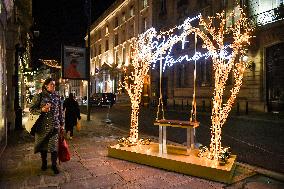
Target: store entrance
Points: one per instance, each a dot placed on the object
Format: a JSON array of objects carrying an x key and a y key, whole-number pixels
[{"x": 275, "y": 78}]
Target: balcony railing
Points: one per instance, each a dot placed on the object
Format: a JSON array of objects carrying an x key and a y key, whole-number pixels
[{"x": 268, "y": 17}]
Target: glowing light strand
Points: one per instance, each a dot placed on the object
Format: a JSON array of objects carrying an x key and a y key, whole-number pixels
[
  {"x": 241, "y": 34},
  {"x": 147, "y": 50},
  {"x": 133, "y": 82},
  {"x": 51, "y": 63}
]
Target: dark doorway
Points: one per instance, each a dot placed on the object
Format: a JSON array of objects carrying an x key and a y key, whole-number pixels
[{"x": 275, "y": 77}]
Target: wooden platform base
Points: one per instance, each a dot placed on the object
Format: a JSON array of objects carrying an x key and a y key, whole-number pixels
[{"x": 176, "y": 160}]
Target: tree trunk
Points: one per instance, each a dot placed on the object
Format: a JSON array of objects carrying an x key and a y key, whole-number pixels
[{"x": 134, "y": 124}]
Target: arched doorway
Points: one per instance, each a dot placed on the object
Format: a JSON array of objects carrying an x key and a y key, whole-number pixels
[{"x": 275, "y": 77}]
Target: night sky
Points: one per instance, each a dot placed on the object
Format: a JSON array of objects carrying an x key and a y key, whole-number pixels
[{"x": 61, "y": 22}]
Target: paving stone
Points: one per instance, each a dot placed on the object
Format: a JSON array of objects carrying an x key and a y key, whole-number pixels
[
  {"x": 128, "y": 185},
  {"x": 49, "y": 187},
  {"x": 139, "y": 173},
  {"x": 11, "y": 184},
  {"x": 79, "y": 184},
  {"x": 172, "y": 177},
  {"x": 121, "y": 165},
  {"x": 153, "y": 182},
  {"x": 34, "y": 180},
  {"x": 108, "y": 181},
  {"x": 71, "y": 165},
  {"x": 90, "y": 167},
  {"x": 102, "y": 170},
  {"x": 259, "y": 185},
  {"x": 54, "y": 180},
  {"x": 95, "y": 162},
  {"x": 89, "y": 155},
  {"x": 198, "y": 183},
  {"x": 79, "y": 174}
]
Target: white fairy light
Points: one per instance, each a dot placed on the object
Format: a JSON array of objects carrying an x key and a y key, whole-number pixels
[{"x": 150, "y": 47}]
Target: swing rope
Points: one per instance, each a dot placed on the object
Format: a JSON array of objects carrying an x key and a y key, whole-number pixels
[
  {"x": 193, "y": 108},
  {"x": 161, "y": 95}
]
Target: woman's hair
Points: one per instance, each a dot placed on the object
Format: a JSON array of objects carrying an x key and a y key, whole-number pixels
[{"x": 46, "y": 82}]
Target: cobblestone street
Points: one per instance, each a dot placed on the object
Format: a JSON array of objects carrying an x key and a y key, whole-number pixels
[{"x": 91, "y": 168}]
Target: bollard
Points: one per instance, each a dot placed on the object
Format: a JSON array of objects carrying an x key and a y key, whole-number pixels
[
  {"x": 203, "y": 105},
  {"x": 187, "y": 104},
  {"x": 238, "y": 108},
  {"x": 107, "y": 120},
  {"x": 247, "y": 107}
]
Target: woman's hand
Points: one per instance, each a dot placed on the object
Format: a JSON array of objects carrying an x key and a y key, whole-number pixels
[{"x": 46, "y": 108}]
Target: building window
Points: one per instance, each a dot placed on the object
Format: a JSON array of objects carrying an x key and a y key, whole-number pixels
[
  {"x": 115, "y": 39},
  {"x": 163, "y": 7},
  {"x": 116, "y": 22},
  {"x": 100, "y": 63},
  {"x": 123, "y": 18},
  {"x": 106, "y": 58},
  {"x": 131, "y": 11},
  {"x": 100, "y": 49},
  {"x": 144, "y": 3},
  {"x": 123, "y": 55},
  {"x": 116, "y": 59},
  {"x": 123, "y": 35},
  {"x": 107, "y": 31},
  {"x": 185, "y": 75},
  {"x": 181, "y": 3},
  {"x": 131, "y": 31},
  {"x": 91, "y": 51},
  {"x": 179, "y": 76},
  {"x": 205, "y": 70},
  {"x": 107, "y": 45},
  {"x": 144, "y": 24},
  {"x": 99, "y": 34}
]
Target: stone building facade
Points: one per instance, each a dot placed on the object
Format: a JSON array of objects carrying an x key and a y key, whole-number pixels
[
  {"x": 16, "y": 20},
  {"x": 111, "y": 36},
  {"x": 262, "y": 88},
  {"x": 263, "y": 83}
]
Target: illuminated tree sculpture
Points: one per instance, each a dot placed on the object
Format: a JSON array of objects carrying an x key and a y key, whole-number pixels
[
  {"x": 134, "y": 80},
  {"x": 238, "y": 34}
]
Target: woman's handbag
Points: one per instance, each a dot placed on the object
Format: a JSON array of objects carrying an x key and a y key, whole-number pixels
[
  {"x": 31, "y": 121},
  {"x": 63, "y": 150},
  {"x": 37, "y": 120},
  {"x": 34, "y": 121},
  {"x": 78, "y": 126}
]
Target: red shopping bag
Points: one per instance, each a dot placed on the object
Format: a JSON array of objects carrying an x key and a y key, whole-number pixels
[{"x": 63, "y": 150}]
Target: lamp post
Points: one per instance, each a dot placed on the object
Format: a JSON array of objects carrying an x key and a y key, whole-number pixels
[
  {"x": 17, "y": 107},
  {"x": 88, "y": 4}
]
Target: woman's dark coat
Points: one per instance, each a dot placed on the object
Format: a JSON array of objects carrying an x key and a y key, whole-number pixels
[
  {"x": 46, "y": 137},
  {"x": 72, "y": 112}
]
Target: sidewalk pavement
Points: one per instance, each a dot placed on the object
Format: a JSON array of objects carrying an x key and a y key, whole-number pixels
[{"x": 90, "y": 167}]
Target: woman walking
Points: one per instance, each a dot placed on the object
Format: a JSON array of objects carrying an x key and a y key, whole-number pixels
[
  {"x": 48, "y": 104},
  {"x": 71, "y": 115}
]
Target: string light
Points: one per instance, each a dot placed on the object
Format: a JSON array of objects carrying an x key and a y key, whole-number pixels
[
  {"x": 150, "y": 47},
  {"x": 51, "y": 63},
  {"x": 133, "y": 82},
  {"x": 241, "y": 33}
]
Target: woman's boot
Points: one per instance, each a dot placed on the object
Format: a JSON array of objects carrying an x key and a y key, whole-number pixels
[
  {"x": 53, "y": 161},
  {"x": 43, "y": 155}
]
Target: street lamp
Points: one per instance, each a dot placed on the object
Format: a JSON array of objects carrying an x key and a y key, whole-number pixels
[{"x": 19, "y": 50}]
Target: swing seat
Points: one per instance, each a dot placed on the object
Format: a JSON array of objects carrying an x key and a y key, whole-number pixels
[{"x": 176, "y": 123}]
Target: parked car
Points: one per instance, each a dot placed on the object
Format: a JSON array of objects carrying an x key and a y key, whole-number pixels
[{"x": 103, "y": 99}]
